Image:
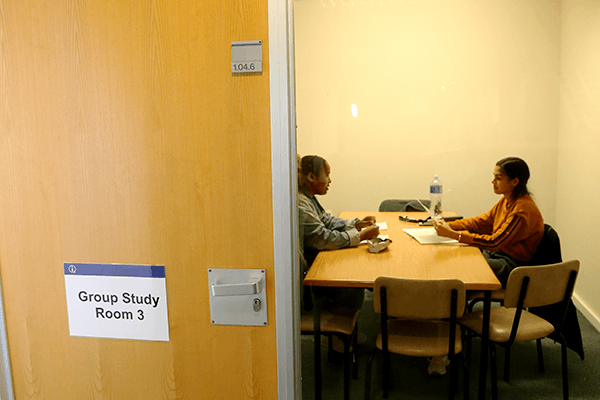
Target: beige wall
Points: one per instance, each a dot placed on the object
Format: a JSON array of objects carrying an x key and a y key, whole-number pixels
[
  {"x": 442, "y": 87},
  {"x": 578, "y": 194},
  {"x": 449, "y": 87}
]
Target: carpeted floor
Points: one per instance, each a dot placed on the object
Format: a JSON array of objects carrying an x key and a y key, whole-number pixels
[{"x": 411, "y": 381}]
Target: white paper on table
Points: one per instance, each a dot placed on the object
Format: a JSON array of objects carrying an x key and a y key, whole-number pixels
[
  {"x": 428, "y": 236},
  {"x": 382, "y": 225}
]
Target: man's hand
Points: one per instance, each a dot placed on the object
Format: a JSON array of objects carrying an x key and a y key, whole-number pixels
[
  {"x": 365, "y": 222},
  {"x": 369, "y": 232}
]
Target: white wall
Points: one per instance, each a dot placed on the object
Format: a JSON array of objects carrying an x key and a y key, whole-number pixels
[
  {"x": 442, "y": 87},
  {"x": 449, "y": 87},
  {"x": 578, "y": 196}
]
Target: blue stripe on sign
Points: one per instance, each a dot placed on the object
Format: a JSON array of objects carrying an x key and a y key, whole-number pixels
[{"x": 135, "y": 271}]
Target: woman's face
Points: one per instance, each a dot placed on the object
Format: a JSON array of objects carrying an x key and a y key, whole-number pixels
[
  {"x": 323, "y": 180},
  {"x": 502, "y": 183}
]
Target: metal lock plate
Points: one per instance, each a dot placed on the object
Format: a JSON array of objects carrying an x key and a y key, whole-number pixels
[{"x": 237, "y": 296}]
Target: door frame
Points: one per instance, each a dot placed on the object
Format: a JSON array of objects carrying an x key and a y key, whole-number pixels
[
  {"x": 284, "y": 180},
  {"x": 6, "y": 383}
]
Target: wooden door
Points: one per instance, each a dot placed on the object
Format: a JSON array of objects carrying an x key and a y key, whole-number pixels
[{"x": 125, "y": 138}]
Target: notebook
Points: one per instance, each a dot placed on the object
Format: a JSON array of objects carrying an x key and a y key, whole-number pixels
[{"x": 428, "y": 236}]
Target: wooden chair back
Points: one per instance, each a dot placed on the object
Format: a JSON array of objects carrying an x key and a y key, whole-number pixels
[{"x": 419, "y": 299}]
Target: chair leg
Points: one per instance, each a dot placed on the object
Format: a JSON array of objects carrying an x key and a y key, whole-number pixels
[
  {"x": 540, "y": 356},
  {"x": 368, "y": 374},
  {"x": 453, "y": 384},
  {"x": 466, "y": 383},
  {"x": 468, "y": 337},
  {"x": 565, "y": 372},
  {"x": 493, "y": 372},
  {"x": 506, "y": 363},
  {"x": 354, "y": 353},
  {"x": 347, "y": 356},
  {"x": 386, "y": 374}
]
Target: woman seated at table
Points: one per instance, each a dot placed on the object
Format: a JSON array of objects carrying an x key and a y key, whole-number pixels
[
  {"x": 319, "y": 230},
  {"x": 511, "y": 231}
]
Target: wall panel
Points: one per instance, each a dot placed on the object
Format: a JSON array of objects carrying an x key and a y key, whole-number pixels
[
  {"x": 124, "y": 138},
  {"x": 579, "y": 142},
  {"x": 442, "y": 87}
]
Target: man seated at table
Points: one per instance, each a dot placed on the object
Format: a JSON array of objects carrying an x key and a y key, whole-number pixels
[{"x": 319, "y": 230}]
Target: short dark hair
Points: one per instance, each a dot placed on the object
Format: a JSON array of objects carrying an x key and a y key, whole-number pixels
[
  {"x": 514, "y": 167},
  {"x": 312, "y": 164}
]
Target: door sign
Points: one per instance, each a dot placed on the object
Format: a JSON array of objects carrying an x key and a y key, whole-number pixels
[
  {"x": 118, "y": 301},
  {"x": 246, "y": 56}
]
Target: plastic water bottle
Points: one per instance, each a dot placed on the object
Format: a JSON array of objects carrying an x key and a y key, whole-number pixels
[{"x": 435, "y": 196}]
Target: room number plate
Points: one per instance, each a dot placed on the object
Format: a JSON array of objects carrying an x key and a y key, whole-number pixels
[{"x": 246, "y": 56}]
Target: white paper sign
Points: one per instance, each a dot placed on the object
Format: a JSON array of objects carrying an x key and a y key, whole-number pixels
[{"x": 117, "y": 301}]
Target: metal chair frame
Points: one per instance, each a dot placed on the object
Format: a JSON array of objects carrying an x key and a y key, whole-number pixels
[
  {"x": 453, "y": 386},
  {"x": 515, "y": 325},
  {"x": 349, "y": 357}
]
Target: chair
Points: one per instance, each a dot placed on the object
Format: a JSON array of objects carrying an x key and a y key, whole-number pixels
[
  {"x": 532, "y": 286},
  {"x": 343, "y": 323},
  {"x": 403, "y": 205},
  {"x": 548, "y": 252},
  {"x": 428, "y": 310}
]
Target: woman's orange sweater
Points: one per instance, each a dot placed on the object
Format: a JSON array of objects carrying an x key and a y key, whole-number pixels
[{"x": 516, "y": 229}]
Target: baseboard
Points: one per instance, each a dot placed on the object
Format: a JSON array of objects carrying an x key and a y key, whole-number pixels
[{"x": 587, "y": 313}]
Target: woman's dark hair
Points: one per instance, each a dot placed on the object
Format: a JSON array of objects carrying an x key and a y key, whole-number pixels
[
  {"x": 311, "y": 164},
  {"x": 514, "y": 167}
]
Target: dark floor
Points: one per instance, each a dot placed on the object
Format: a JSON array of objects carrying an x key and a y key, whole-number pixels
[{"x": 411, "y": 381}]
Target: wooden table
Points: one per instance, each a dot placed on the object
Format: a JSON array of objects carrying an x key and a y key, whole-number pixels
[{"x": 404, "y": 258}]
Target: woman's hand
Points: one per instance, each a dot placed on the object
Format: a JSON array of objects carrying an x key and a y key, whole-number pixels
[
  {"x": 443, "y": 229},
  {"x": 369, "y": 232},
  {"x": 365, "y": 222}
]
